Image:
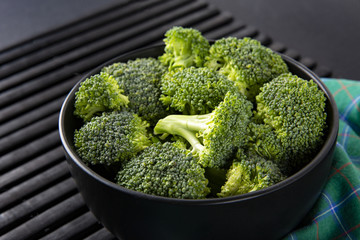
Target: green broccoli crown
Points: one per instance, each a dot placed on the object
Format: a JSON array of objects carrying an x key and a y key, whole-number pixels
[
  {"x": 194, "y": 90},
  {"x": 295, "y": 109},
  {"x": 222, "y": 52},
  {"x": 165, "y": 170},
  {"x": 184, "y": 47},
  {"x": 250, "y": 172},
  {"x": 214, "y": 136},
  {"x": 246, "y": 62},
  {"x": 140, "y": 79},
  {"x": 264, "y": 141},
  {"x": 111, "y": 138},
  {"x": 98, "y": 93}
]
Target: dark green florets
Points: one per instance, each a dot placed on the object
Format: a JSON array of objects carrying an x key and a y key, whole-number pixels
[
  {"x": 250, "y": 172},
  {"x": 111, "y": 138},
  {"x": 295, "y": 109},
  {"x": 184, "y": 47},
  {"x": 214, "y": 136},
  {"x": 194, "y": 90},
  {"x": 165, "y": 170},
  {"x": 140, "y": 80},
  {"x": 98, "y": 93},
  {"x": 246, "y": 62}
]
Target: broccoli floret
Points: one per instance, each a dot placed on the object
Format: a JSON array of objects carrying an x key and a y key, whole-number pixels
[
  {"x": 111, "y": 138},
  {"x": 250, "y": 172},
  {"x": 140, "y": 79},
  {"x": 294, "y": 109},
  {"x": 194, "y": 90},
  {"x": 264, "y": 141},
  {"x": 184, "y": 47},
  {"x": 214, "y": 136},
  {"x": 165, "y": 170},
  {"x": 98, "y": 93},
  {"x": 246, "y": 62}
]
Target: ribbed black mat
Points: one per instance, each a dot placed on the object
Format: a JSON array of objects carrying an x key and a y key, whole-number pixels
[{"x": 38, "y": 198}]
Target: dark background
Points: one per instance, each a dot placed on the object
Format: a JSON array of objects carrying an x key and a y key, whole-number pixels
[{"x": 328, "y": 31}]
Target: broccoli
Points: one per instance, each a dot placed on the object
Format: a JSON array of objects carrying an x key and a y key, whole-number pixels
[
  {"x": 167, "y": 170},
  {"x": 250, "y": 172},
  {"x": 246, "y": 62},
  {"x": 111, "y": 138},
  {"x": 214, "y": 136},
  {"x": 264, "y": 141},
  {"x": 184, "y": 47},
  {"x": 98, "y": 93},
  {"x": 194, "y": 90},
  {"x": 140, "y": 79},
  {"x": 201, "y": 120},
  {"x": 293, "y": 113}
]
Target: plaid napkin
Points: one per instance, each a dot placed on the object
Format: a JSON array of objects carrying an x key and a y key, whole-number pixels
[{"x": 336, "y": 214}]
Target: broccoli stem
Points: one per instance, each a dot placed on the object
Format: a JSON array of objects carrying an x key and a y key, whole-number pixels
[
  {"x": 181, "y": 61},
  {"x": 124, "y": 99},
  {"x": 91, "y": 111},
  {"x": 190, "y": 137},
  {"x": 186, "y": 126}
]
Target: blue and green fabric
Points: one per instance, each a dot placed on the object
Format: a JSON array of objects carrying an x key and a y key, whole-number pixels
[{"x": 336, "y": 214}]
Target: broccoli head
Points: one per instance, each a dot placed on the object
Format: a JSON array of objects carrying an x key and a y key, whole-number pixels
[
  {"x": 214, "y": 136},
  {"x": 194, "y": 90},
  {"x": 264, "y": 141},
  {"x": 111, "y": 138},
  {"x": 184, "y": 47},
  {"x": 99, "y": 93},
  {"x": 246, "y": 62},
  {"x": 140, "y": 79},
  {"x": 294, "y": 109},
  {"x": 250, "y": 172},
  {"x": 167, "y": 170}
]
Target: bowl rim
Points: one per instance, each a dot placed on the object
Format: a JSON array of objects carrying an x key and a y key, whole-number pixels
[{"x": 327, "y": 146}]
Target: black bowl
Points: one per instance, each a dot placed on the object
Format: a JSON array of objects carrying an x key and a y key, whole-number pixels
[{"x": 269, "y": 213}]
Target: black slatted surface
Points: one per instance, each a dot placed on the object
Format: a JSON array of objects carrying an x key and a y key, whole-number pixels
[{"x": 38, "y": 198}]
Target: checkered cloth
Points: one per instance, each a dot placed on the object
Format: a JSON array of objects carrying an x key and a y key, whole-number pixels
[{"x": 336, "y": 214}]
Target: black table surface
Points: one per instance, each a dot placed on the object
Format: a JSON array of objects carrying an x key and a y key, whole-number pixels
[{"x": 324, "y": 30}]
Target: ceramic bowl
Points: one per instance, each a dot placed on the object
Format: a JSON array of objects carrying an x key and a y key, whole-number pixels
[{"x": 269, "y": 213}]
